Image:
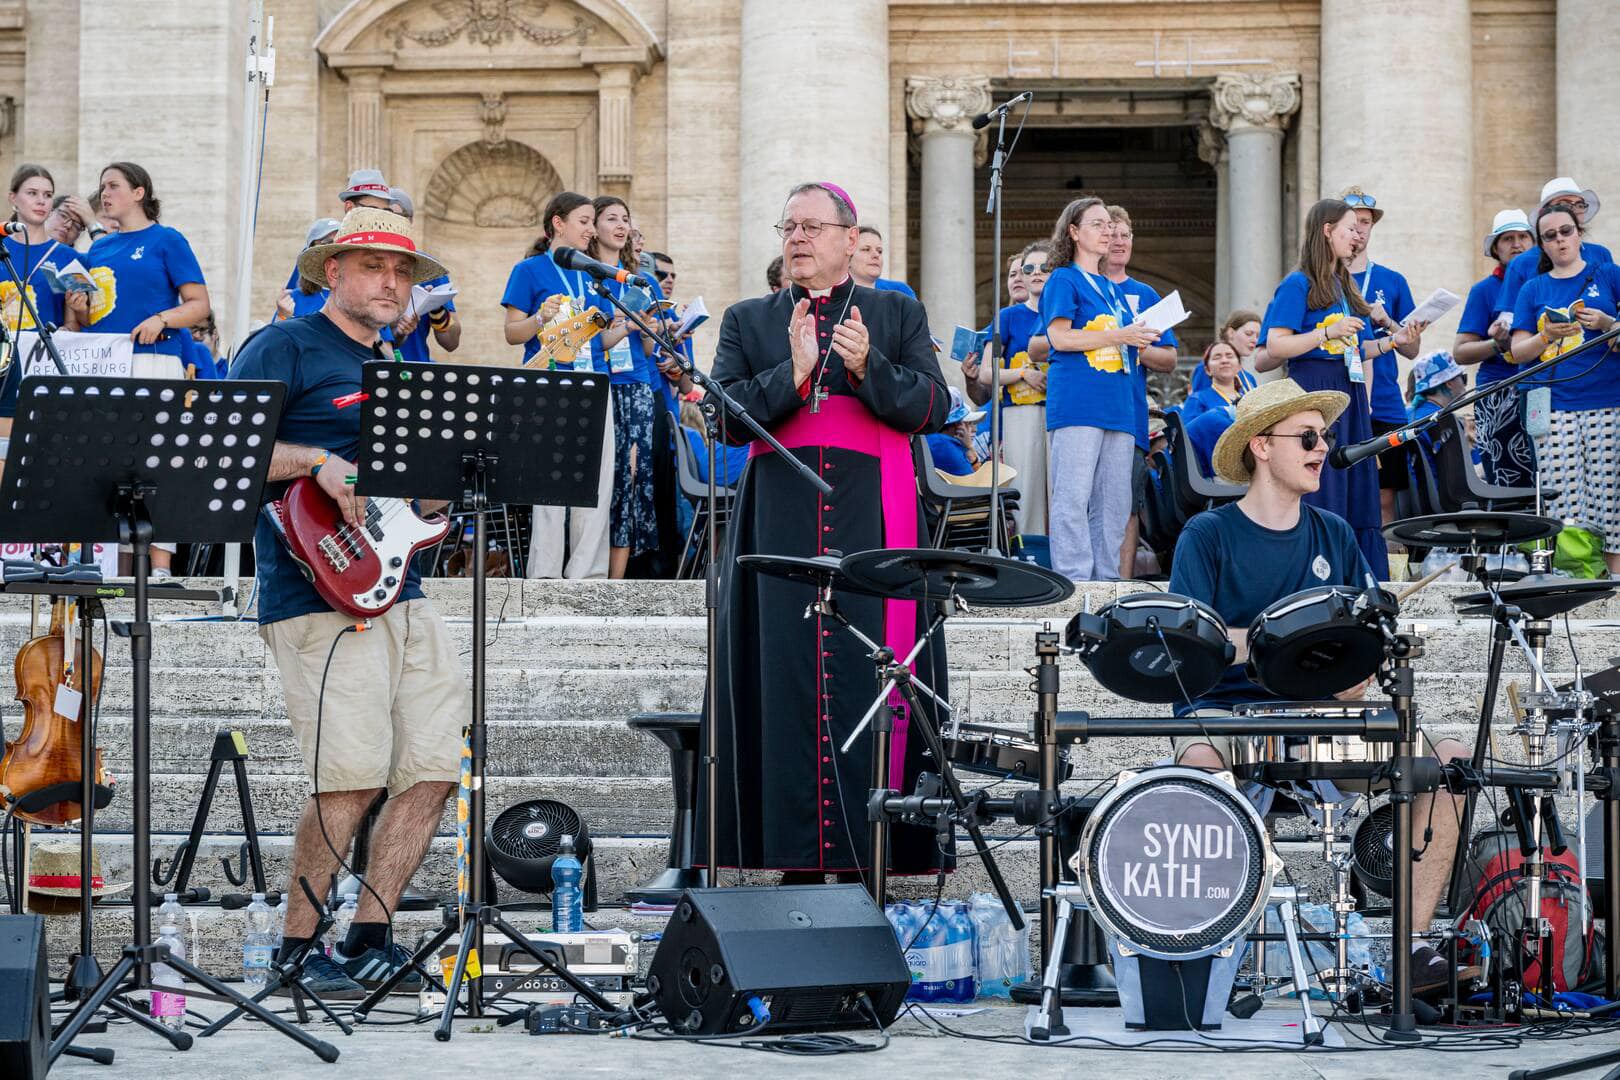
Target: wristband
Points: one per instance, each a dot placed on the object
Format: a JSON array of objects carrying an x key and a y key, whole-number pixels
[
  {"x": 320, "y": 459},
  {"x": 436, "y": 320}
]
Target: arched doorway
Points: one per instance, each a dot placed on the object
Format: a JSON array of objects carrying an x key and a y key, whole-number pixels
[{"x": 483, "y": 202}]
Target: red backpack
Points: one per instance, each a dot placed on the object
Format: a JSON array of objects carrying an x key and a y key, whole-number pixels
[{"x": 1494, "y": 879}]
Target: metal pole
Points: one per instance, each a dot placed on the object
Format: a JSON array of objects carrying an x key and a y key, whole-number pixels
[
  {"x": 993, "y": 546},
  {"x": 1402, "y": 1020},
  {"x": 475, "y": 808},
  {"x": 711, "y": 627},
  {"x": 1046, "y": 695}
]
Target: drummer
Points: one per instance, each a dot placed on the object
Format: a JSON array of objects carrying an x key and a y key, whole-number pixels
[{"x": 1278, "y": 445}]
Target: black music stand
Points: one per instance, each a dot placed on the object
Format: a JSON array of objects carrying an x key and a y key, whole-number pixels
[
  {"x": 481, "y": 435},
  {"x": 142, "y": 458}
]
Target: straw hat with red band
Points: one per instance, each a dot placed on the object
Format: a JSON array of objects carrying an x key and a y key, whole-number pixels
[
  {"x": 53, "y": 874},
  {"x": 367, "y": 229}
]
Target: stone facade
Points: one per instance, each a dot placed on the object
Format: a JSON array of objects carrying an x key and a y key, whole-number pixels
[{"x": 702, "y": 112}]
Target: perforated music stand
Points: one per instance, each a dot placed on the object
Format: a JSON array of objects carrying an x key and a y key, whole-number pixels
[
  {"x": 479, "y": 434},
  {"x": 142, "y": 459}
]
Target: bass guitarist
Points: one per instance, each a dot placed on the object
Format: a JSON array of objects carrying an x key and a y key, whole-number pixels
[{"x": 380, "y": 710}]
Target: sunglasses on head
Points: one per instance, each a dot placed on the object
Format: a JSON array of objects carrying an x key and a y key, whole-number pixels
[
  {"x": 1308, "y": 440},
  {"x": 1558, "y": 234},
  {"x": 1357, "y": 199}
]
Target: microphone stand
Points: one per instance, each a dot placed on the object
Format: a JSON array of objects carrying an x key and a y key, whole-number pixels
[
  {"x": 1359, "y": 452},
  {"x": 714, "y": 400},
  {"x": 43, "y": 327},
  {"x": 998, "y": 164}
]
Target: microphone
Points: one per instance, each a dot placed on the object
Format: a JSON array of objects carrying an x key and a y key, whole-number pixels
[
  {"x": 1342, "y": 457},
  {"x": 984, "y": 118},
  {"x": 16, "y": 228},
  {"x": 574, "y": 259}
]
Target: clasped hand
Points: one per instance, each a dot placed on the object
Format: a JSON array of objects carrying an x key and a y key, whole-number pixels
[{"x": 850, "y": 340}]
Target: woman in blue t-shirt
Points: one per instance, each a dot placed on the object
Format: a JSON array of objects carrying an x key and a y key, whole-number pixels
[
  {"x": 1505, "y": 448},
  {"x": 1227, "y": 382},
  {"x": 537, "y": 292},
  {"x": 633, "y": 524},
  {"x": 1091, "y": 390},
  {"x": 1024, "y": 356},
  {"x": 150, "y": 286},
  {"x": 32, "y": 200},
  {"x": 1319, "y": 325},
  {"x": 1554, "y": 313}
]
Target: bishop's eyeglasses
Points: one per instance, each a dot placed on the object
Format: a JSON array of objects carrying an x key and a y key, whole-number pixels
[{"x": 812, "y": 229}]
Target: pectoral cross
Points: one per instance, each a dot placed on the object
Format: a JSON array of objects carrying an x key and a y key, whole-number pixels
[{"x": 817, "y": 395}]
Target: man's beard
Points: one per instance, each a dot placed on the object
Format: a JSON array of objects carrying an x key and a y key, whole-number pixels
[{"x": 360, "y": 313}]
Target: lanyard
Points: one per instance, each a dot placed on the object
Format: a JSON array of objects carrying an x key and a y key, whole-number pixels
[
  {"x": 1366, "y": 279},
  {"x": 576, "y": 291},
  {"x": 1110, "y": 298}
]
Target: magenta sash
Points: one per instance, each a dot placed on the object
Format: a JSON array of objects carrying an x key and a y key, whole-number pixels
[{"x": 844, "y": 423}]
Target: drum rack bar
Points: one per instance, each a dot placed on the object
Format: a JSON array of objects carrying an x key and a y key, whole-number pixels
[{"x": 1375, "y": 724}]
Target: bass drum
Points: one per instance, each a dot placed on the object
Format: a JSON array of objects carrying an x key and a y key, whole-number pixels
[
  {"x": 1315, "y": 643},
  {"x": 1175, "y": 863},
  {"x": 1159, "y": 648}
]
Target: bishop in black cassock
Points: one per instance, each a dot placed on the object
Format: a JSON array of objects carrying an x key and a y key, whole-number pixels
[{"x": 843, "y": 376}]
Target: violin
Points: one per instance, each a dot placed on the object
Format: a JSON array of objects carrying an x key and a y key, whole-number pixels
[{"x": 50, "y": 748}]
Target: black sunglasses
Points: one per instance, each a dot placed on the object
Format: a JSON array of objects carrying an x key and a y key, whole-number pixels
[{"x": 1308, "y": 440}]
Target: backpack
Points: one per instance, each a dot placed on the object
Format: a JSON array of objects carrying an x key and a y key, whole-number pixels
[{"x": 1498, "y": 895}]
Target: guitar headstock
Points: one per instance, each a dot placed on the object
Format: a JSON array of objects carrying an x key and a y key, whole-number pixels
[{"x": 561, "y": 339}]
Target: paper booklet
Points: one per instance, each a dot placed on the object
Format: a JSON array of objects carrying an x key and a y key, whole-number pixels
[
  {"x": 1438, "y": 303},
  {"x": 693, "y": 317},
  {"x": 967, "y": 342},
  {"x": 425, "y": 301},
  {"x": 1166, "y": 314},
  {"x": 71, "y": 278}
]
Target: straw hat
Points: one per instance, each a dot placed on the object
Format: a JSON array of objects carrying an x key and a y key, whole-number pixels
[
  {"x": 1360, "y": 200},
  {"x": 367, "y": 229},
  {"x": 1266, "y": 406},
  {"x": 53, "y": 876}
]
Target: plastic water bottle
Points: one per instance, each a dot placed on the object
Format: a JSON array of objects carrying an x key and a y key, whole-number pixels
[
  {"x": 169, "y": 1009},
  {"x": 926, "y": 956},
  {"x": 1000, "y": 953},
  {"x": 280, "y": 927},
  {"x": 341, "y": 922},
  {"x": 567, "y": 902},
  {"x": 904, "y": 923},
  {"x": 959, "y": 982},
  {"x": 258, "y": 944}
]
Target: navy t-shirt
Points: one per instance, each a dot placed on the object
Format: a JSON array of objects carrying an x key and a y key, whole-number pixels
[
  {"x": 1590, "y": 380},
  {"x": 140, "y": 274},
  {"x": 1215, "y": 562},
  {"x": 538, "y": 277},
  {"x": 1097, "y": 388},
  {"x": 1381, "y": 285},
  {"x": 1478, "y": 312},
  {"x": 1527, "y": 264},
  {"x": 949, "y": 454},
  {"x": 319, "y": 363}
]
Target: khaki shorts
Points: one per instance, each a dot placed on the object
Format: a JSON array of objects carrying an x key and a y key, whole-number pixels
[{"x": 395, "y": 701}]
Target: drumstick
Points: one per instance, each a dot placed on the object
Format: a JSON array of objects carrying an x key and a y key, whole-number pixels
[{"x": 1421, "y": 582}]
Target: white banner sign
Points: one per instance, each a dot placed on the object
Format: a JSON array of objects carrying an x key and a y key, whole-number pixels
[
  {"x": 106, "y": 555},
  {"x": 105, "y": 355}
]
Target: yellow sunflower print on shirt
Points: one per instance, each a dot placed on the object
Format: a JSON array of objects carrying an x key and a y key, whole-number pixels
[
  {"x": 105, "y": 298},
  {"x": 1335, "y": 346},
  {"x": 1108, "y": 358},
  {"x": 11, "y": 308},
  {"x": 1560, "y": 346},
  {"x": 1022, "y": 393}
]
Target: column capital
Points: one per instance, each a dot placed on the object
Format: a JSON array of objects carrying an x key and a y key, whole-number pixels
[
  {"x": 1211, "y": 144},
  {"x": 946, "y": 103},
  {"x": 1246, "y": 100}
]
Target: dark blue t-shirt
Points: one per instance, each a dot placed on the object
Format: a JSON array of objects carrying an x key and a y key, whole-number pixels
[
  {"x": 140, "y": 274},
  {"x": 319, "y": 363},
  {"x": 889, "y": 285},
  {"x": 1290, "y": 310},
  {"x": 1204, "y": 431},
  {"x": 949, "y": 455},
  {"x": 1097, "y": 388},
  {"x": 1381, "y": 285},
  {"x": 1216, "y": 562},
  {"x": 1478, "y": 312},
  {"x": 1590, "y": 380},
  {"x": 1527, "y": 264},
  {"x": 538, "y": 277},
  {"x": 415, "y": 346},
  {"x": 26, "y": 260}
]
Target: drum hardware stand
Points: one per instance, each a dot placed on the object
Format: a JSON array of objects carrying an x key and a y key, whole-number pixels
[
  {"x": 898, "y": 679},
  {"x": 1398, "y": 682},
  {"x": 1336, "y": 854},
  {"x": 229, "y": 746}
]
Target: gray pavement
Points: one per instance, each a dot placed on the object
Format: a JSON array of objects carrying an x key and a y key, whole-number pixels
[{"x": 373, "y": 1053}]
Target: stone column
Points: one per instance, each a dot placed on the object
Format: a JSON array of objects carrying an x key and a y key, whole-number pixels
[
  {"x": 813, "y": 105},
  {"x": 942, "y": 111},
  {"x": 1398, "y": 120},
  {"x": 1212, "y": 149},
  {"x": 1252, "y": 109},
  {"x": 1588, "y": 38},
  {"x": 615, "y": 127},
  {"x": 365, "y": 119}
]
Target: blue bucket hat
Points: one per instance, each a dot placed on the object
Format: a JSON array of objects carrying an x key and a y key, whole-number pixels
[{"x": 1434, "y": 369}]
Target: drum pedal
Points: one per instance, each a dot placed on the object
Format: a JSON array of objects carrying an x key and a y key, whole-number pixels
[{"x": 1245, "y": 1005}]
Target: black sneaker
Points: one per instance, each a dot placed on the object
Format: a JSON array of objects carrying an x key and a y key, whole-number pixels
[
  {"x": 373, "y": 967},
  {"x": 1429, "y": 970},
  {"x": 325, "y": 980}
]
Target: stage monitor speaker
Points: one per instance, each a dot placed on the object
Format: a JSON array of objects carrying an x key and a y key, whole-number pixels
[
  {"x": 25, "y": 1008},
  {"x": 816, "y": 957}
]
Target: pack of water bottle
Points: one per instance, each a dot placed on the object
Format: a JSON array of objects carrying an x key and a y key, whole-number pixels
[
  {"x": 1317, "y": 955},
  {"x": 959, "y": 951}
]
